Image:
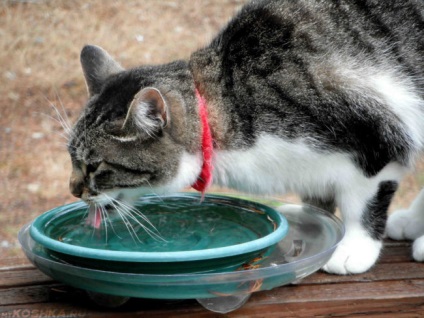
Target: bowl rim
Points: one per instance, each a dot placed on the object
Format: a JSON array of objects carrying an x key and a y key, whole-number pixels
[{"x": 281, "y": 230}]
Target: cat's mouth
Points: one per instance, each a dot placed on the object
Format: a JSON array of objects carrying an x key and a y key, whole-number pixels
[
  {"x": 95, "y": 215},
  {"x": 103, "y": 206},
  {"x": 100, "y": 207}
]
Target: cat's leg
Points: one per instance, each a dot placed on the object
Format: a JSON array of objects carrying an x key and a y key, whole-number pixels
[
  {"x": 364, "y": 212},
  {"x": 409, "y": 224}
]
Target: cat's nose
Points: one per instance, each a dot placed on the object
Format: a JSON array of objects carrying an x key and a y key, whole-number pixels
[
  {"x": 76, "y": 188},
  {"x": 76, "y": 185},
  {"x": 76, "y": 182}
]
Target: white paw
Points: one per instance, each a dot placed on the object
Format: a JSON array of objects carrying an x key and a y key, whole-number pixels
[
  {"x": 418, "y": 249},
  {"x": 405, "y": 224},
  {"x": 354, "y": 255}
]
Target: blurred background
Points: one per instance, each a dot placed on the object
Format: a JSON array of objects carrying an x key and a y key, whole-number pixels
[{"x": 40, "y": 42}]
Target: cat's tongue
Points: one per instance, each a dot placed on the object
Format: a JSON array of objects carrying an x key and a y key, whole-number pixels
[{"x": 94, "y": 217}]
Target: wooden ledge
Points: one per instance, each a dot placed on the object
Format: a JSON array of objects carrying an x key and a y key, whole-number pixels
[{"x": 394, "y": 287}]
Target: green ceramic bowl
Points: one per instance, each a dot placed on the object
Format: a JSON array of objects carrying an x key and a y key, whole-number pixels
[{"x": 170, "y": 234}]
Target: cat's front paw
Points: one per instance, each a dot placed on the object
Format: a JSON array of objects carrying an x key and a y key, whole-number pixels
[
  {"x": 354, "y": 256},
  {"x": 405, "y": 224},
  {"x": 418, "y": 249}
]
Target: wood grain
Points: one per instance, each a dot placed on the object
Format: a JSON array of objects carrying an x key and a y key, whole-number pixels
[{"x": 394, "y": 287}]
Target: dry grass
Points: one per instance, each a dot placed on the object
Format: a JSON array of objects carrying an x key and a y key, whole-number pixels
[{"x": 40, "y": 43}]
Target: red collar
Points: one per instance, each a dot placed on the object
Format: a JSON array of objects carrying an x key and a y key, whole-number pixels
[{"x": 204, "y": 179}]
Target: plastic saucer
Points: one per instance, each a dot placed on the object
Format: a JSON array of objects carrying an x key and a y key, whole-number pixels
[
  {"x": 312, "y": 238},
  {"x": 171, "y": 234}
]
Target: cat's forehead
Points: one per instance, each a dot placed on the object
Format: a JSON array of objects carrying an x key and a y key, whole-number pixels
[
  {"x": 120, "y": 88},
  {"x": 117, "y": 93}
]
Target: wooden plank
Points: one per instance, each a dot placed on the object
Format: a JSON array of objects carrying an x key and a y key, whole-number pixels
[
  {"x": 392, "y": 290},
  {"x": 47, "y": 310},
  {"x": 22, "y": 277},
  {"x": 398, "y": 271},
  {"x": 396, "y": 254},
  {"x": 68, "y": 302},
  {"x": 345, "y": 291},
  {"x": 25, "y": 295},
  {"x": 389, "y": 242},
  {"x": 406, "y": 307},
  {"x": 19, "y": 262},
  {"x": 402, "y": 308},
  {"x": 381, "y": 272},
  {"x": 395, "y": 287}
]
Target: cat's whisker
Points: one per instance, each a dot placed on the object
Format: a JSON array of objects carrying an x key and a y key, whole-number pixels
[
  {"x": 152, "y": 234},
  {"x": 63, "y": 144},
  {"x": 135, "y": 211},
  {"x": 129, "y": 226},
  {"x": 132, "y": 213},
  {"x": 153, "y": 192},
  {"x": 113, "y": 229},
  {"x": 86, "y": 214},
  {"x": 105, "y": 218},
  {"x": 126, "y": 222},
  {"x": 65, "y": 118},
  {"x": 71, "y": 146},
  {"x": 63, "y": 121},
  {"x": 132, "y": 209},
  {"x": 65, "y": 134}
]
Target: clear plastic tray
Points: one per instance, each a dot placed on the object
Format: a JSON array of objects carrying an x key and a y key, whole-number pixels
[{"x": 312, "y": 238}]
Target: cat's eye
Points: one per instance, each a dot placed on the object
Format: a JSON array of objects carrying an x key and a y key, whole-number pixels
[{"x": 90, "y": 168}]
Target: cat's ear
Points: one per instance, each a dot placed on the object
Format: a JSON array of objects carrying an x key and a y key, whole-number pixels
[
  {"x": 97, "y": 66},
  {"x": 148, "y": 111}
]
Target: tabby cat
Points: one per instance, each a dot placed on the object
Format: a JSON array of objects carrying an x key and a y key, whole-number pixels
[{"x": 323, "y": 98}]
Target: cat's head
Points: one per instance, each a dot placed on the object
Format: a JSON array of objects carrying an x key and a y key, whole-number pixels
[{"x": 138, "y": 132}]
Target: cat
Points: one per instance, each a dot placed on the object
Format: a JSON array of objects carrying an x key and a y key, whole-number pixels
[{"x": 323, "y": 98}]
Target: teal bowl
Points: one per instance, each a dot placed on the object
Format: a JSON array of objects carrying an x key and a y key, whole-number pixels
[{"x": 164, "y": 235}]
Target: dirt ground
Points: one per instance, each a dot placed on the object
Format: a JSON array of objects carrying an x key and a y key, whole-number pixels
[{"x": 40, "y": 43}]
